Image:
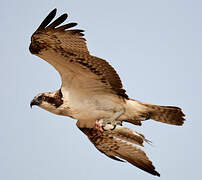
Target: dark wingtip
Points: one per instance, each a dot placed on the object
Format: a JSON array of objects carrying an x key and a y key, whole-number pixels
[
  {"x": 53, "y": 11},
  {"x": 66, "y": 26},
  {"x": 58, "y": 21},
  {"x": 157, "y": 174},
  {"x": 48, "y": 19}
]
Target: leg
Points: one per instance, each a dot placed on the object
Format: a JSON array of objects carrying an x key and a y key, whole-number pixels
[{"x": 110, "y": 124}]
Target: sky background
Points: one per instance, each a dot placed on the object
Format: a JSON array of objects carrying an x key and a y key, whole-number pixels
[{"x": 155, "y": 46}]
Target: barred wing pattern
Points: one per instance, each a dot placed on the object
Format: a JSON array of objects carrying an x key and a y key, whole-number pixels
[
  {"x": 67, "y": 51},
  {"x": 121, "y": 143}
]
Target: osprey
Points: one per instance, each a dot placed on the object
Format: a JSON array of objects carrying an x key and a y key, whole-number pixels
[{"x": 92, "y": 93}]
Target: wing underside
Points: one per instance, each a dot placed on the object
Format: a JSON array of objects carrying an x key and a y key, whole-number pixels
[
  {"x": 66, "y": 50},
  {"x": 122, "y": 143}
]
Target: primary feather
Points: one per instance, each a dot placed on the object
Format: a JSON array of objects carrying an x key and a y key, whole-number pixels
[{"x": 92, "y": 90}]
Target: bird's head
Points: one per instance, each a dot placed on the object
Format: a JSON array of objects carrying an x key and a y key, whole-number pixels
[
  {"x": 41, "y": 100},
  {"x": 49, "y": 101}
]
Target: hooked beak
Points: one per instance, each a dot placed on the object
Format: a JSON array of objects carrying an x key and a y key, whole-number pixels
[{"x": 35, "y": 102}]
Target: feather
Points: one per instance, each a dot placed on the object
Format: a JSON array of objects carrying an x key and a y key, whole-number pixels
[
  {"x": 47, "y": 20},
  {"x": 66, "y": 26},
  {"x": 115, "y": 148},
  {"x": 58, "y": 21}
]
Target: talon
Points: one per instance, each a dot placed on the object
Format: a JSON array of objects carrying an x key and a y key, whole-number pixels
[
  {"x": 113, "y": 127},
  {"x": 103, "y": 127},
  {"x": 106, "y": 124}
]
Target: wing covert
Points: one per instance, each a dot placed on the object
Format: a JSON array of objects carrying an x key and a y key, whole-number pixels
[{"x": 66, "y": 50}]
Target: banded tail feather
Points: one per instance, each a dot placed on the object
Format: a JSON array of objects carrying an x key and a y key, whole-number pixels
[{"x": 165, "y": 114}]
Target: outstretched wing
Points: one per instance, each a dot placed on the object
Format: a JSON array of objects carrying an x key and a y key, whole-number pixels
[
  {"x": 117, "y": 144},
  {"x": 66, "y": 50}
]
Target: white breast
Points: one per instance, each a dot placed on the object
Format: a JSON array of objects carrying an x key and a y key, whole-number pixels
[{"x": 89, "y": 108}]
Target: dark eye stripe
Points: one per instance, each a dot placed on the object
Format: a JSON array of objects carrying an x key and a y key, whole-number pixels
[
  {"x": 56, "y": 101},
  {"x": 40, "y": 98}
]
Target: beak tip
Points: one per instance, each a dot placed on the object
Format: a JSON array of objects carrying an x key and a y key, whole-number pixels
[
  {"x": 31, "y": 104},
  {"x": 34, "y": 102}
]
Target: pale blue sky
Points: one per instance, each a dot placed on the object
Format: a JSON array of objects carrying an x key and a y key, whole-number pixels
[{"x": 155, "y": 46}]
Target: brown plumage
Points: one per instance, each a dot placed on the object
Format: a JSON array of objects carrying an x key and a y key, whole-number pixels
[
  {"x": 165, "y": 114},
  {"x": 72, "y": 46},
  {"x": 91, "y": 91},
  {"x": 115, "y": 145}
]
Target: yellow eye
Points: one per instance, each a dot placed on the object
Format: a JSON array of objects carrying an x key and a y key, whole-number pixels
[{"x": 44, "y": 98}]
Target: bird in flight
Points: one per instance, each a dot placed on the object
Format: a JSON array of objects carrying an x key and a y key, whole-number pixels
[{"x": 92, "y": 93}]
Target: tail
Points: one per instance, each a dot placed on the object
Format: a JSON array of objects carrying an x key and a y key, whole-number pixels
[{"x": 165, "y": 114}]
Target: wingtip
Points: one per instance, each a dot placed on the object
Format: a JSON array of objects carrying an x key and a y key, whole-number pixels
[
  {"x": 54, "y": 10},
  {"x": 64, "y": 16},
  {"x": 47, "y": 20},
  {"x": 157, "y": 174}
]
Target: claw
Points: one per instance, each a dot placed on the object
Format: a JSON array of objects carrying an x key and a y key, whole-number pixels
[
  {"x": 111, "y": 127},
  {"x": 106, "y": 127},
  {"x": 111, "y": 123},
  {"x": 106, "y": 124}
]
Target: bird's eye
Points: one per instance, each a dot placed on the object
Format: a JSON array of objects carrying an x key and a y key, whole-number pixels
[
  {"x": 39, "y": 98},
  {"x": 43, "y": 98}
]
